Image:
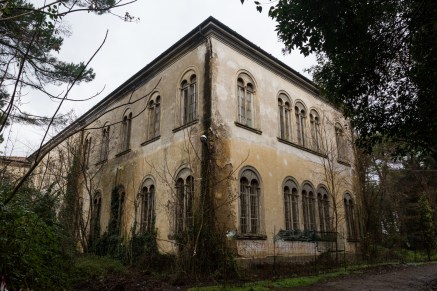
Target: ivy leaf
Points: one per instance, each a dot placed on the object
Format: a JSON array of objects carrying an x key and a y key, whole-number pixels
[{"x": 259, "y": 9}]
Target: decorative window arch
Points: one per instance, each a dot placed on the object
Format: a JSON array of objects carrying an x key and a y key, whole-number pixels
[
  {"x": 126, "y": 128},
  {"x": 349, "y": 212},
  {"x": 301, "y": 114},
  {"x": 284, "y": 107},
  {"x": 184, "y": 201},
  {"x": 250, "y": 192},
  {"x": 341, "y": 142},
  {"x": 95, "y": 215},
  {"x": 104, "y": 149},
  {"x": 246, "y": 99},
  {"x": 87, "y": 151},
  {"x": 291, "y": 204},
  {"x": 308, "y": 207},
  {"x": 188, "y": 97},
  {"x": 117, "y": 209},
  {"x": 315, "y": 130},
  {"x": 148, "y": 194},
  {"x": 323, "y": 203},
  {"x": 154, "y": 116}
]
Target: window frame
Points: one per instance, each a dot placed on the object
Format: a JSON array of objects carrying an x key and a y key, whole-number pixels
[
  {"x": 284, "y": 117},
  {"x": 291, "y": 204},
  {"x": 188, "y": 98},
  {"x": 349, "y": 212},
  {"x": 308, "y": 207},
  {"x": 183, "y": 202},
  {"x": 323, "y": 199},
  {"x": 315, "y": 128},
  {"x": 300, "y": 114},
  {"x": 147, "y": 205},
  {"x": 153, "y": 117},
  {"x": 104, "y": 147},
  {"x": 246, "y": 101},
  {"x": 250, "y": 223}
]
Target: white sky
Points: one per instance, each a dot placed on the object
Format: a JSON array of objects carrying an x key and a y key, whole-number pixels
[{"x": 131, "y": 46}]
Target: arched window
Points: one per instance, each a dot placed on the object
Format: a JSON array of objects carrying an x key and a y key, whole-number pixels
[
  {"x": 323, "y": 203},
  {"x": 184, "y": 201},
  {"x": 349, "y": 211},
  {"x": 341, "y": 142},
  {"x": 284, "y": 117},
  {"x": 249, "y": 202},
  {"x": 147, "y": 222},
  {"x": 104, "y": 150},
  {"x": 315, "y": 130},
  {"x": 300, "y": 113},
  {"x": 154, "y": 113},
  {"x": 87, "y": 151},
  {"x": 95, "y": 215},
  {"x": 188, "y": 98},
  {"x": 126, "y": 127},
  {"x": 308, "y": 206},
  {"x": 117, "y": 210},
  {"x": 291, "y": 205},
  {"x": 245, "y": 92}
]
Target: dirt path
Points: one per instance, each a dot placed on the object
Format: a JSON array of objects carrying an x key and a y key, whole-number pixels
[{"x": 399, "y": 277}]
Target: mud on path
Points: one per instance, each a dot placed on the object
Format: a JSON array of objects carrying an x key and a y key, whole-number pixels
[{"x": 393, "y": 277}]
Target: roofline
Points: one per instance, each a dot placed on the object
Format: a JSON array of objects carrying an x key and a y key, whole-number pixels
[{"x": 210, "y": 26}]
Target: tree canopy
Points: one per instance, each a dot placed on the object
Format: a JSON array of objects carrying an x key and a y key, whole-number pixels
[
  {"x": 376, "y": 60},
  {"x": 30, "y": 37}
]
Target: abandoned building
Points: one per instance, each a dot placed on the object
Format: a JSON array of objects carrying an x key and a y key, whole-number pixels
[{"x": 213, "y": 114}]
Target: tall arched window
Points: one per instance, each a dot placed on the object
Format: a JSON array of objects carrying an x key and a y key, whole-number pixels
[
  {"x": 154, "y": 113},
  {"x": 184, "y": 201},
  {"x": 87, "y": 151},
  {"x": 126, "y": 127},
  {"x": 249, "y": 202},
  {"x": 245, "y": 91},
  {"x": 341, "y": 142},
  {"x": 188, "y": 98},
  {"x": 308, "y": 207},
  {"x": 291, "y": 205},
  {"x": 300, "y": 113},
  {"x": 323, "y": 203},
  {"x": 349, "y": 211},
  {"x": 284, "y": 117},
  {"x": 95, "y": 215},
  {"x": 104, "y": 150},
  {"x": 117, "y": 210},
  {"x": 315, "y": 130},
  {"x": 147, "y": 222}
]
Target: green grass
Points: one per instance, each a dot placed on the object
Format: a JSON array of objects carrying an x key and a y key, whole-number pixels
[{"x": 276, "y": 284}]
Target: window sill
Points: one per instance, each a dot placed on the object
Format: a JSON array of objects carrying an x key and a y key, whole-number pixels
[
  {"x": 302, "y": 147},
  {"x": 185, "y": 125},
  {"x": 343, "y": 162},
  {"x": 257, "y": 131},
  {"x": 151, "y": 140},
  {"x": 251, "y": 237},
  {"x": 123, "y": 153}
]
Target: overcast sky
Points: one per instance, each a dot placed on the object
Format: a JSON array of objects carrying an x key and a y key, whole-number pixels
[{"x": 131, "y": 46}]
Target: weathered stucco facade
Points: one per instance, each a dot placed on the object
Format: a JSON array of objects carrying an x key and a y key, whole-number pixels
[{"x": 216, "y": 114}]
